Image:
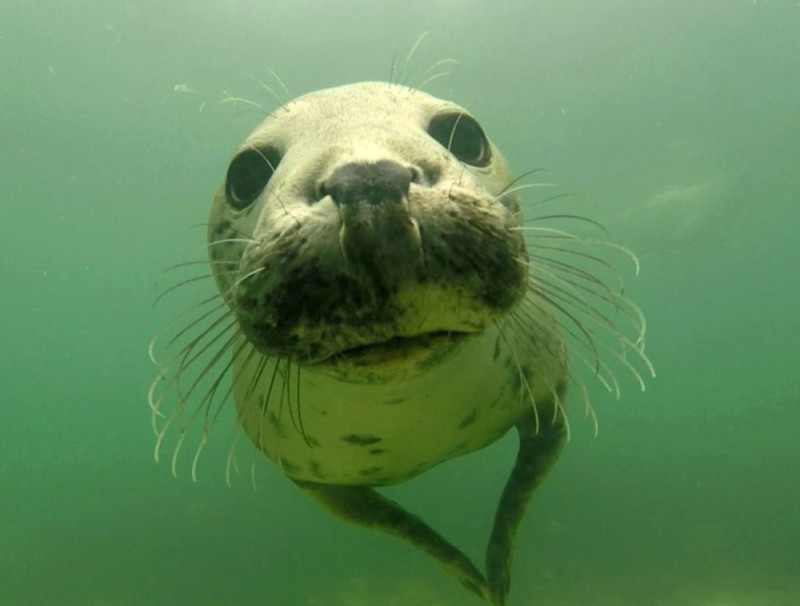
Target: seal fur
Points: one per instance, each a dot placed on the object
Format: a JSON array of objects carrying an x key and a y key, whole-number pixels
[{"x": 386, "y": 309}]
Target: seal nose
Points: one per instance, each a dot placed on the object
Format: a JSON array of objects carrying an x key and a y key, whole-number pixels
[
  {"x": 372, "y": 183},
  {"x": 377, "y": 230}
]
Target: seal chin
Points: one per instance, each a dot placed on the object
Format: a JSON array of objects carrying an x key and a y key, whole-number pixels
[{"x": 397, "y": 357}]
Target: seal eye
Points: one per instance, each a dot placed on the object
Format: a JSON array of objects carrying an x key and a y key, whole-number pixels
[
  {"x": 463, "y": 137},
  {"x": 249, "y": 174}
]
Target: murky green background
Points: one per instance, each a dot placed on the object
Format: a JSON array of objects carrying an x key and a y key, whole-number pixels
[{"x": 676, "y": 121}]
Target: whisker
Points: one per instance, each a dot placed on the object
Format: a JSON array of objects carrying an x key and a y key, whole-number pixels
[
  {"x": 234, "y": 100},
  {"x": 428, "y": 76},
  {"x": 575, "y": 301},
  {"x": 286, "y": 390},
  {"x": 524, "y": 385},
  {"x": 231, "y": 463},
  {"x": 300, "y": 410},
  {"x": 624, "y": 344},
  {"x": 435, "y": 65},
  {"x": 523, "y": 187},
  {"x": 577, "y": 253},
  {"x": 405, "y": 72},
  {"x": 559, "y": 410},
  {"x": 207, "y": 402},
  {"x": 545, "y": 232},
  {"x": 284, "y": 88},
  {"x": 587, "y": 280},
  {"x": 248, "y": 275},
  {"x": 588, "y": 409},
  {"x": 203, "y": 262},
  {"x": 549, "y": 199},
  {"x": 540, "y": 232},
  {"x": 392, "y": 66},
  {"x": 184, "y": 359},
  {"x": 187, "y": 356},
  {"x": 575, "y": 322},
  {"x": 253, "y": 467},
  {"x": 507, "y": 189},
  {"x": 608, "y": 380},
  {"x": 211, "y": 419},
  {"x": 267, "y": 88},
  {"x": 619, "y": 248},
  {"x": 232, "y": 241},
  {"x": 221, "y": 307},
  {"x": 262, "y": 402},
  {"x": 545, "y": 356},
  {"x": 163, "y": 368},
  {"x": 570, "y": 217},
  {"x": 244, "y": 407},
  {"x": 180, "y": 284},
  {"x": 201, "y": 405},
  {"x": 430, "y": 79},
  {"x": 268, "y": 399}
]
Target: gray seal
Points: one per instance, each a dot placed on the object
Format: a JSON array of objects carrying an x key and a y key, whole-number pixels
[{"x": 385, "y": 308}]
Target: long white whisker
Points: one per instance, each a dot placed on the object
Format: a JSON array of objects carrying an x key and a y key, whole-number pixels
[{"x": 524, "y": 186}]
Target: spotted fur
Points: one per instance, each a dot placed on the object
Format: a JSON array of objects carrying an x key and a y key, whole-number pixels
[{"x": 385, "y": 309}]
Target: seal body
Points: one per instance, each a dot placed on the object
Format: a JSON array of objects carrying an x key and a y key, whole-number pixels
[
  {"x": 379, "y": 268},
  {"x": 382, "y": 311},
  {"x": 377, "y": 433}
]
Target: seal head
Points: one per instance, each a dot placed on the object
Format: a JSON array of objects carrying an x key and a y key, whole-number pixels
[{"x": 376, "y": 230}]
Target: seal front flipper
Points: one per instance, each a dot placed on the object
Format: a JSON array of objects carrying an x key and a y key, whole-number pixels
[
  {"x": 538, "y": 451},
  {"x": 364, "y": 506}
]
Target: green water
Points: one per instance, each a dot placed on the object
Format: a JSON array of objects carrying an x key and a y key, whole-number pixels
[{"x": 676, "y": 122}]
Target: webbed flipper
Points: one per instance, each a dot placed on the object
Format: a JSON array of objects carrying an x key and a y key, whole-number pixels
[
  {"x": 364, "y": 506},
  {"x": 538, "y": 451}
]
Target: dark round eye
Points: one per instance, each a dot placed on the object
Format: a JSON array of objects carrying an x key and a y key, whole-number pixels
[
  {"x": 249, "y": 174},
  {"x": 462, "y": 136}
]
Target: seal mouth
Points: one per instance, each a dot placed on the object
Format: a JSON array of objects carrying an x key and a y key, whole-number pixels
[{"x": 422, "y": 351}]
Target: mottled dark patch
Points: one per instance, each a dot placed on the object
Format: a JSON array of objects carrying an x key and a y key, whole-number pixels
[
  {"x": 439, "y": 353},
  {"x": 277, "y": 425},
  {"x": 220, "y": 230},
  {"x": 305, "y": 290},
  {"x": 431, "y": 171},
  {"x": 497, "y": 349},
  {"x": 360, "y": 439},
  {"x": 561, "y": 388},
  {"x": 469, "y": 419},
  {"x": 418, "y": 470},
  {"x": 376, "y": 451},
  {"x": 517, "y": 375},
  {"x": 459, "y": 449},
  {"x": 371, "y": 471},
  {"x": 316, "y": 469},
  {"x": 475, "y": 251},
  {"x": 290, "y": 467},
  {"x": 312, "y": 441},
  {"x": 500, "y": 398}
]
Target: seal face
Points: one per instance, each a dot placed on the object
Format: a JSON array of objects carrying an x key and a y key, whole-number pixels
[
  {"x": 383, "y": 312},
  {"x": 373, "y": 223}
]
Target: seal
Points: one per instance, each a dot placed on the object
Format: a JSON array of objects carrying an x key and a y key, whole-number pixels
[{"x": 384, "y": 308}]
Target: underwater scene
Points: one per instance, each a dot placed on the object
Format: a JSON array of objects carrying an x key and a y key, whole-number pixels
[{"x": 626, "y": 289}]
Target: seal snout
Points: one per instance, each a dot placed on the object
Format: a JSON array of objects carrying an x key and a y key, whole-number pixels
[
  {"x": 373, "y": 183},
  {"x": 377, "y": 226}
]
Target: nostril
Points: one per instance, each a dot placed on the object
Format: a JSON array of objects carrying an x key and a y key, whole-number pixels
[
  {"x": 320, "y": 191},
  {"x": 427, "y": 173},
  {"x": 416, "y": 175},
  {"x": 368, "y": 182}
]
